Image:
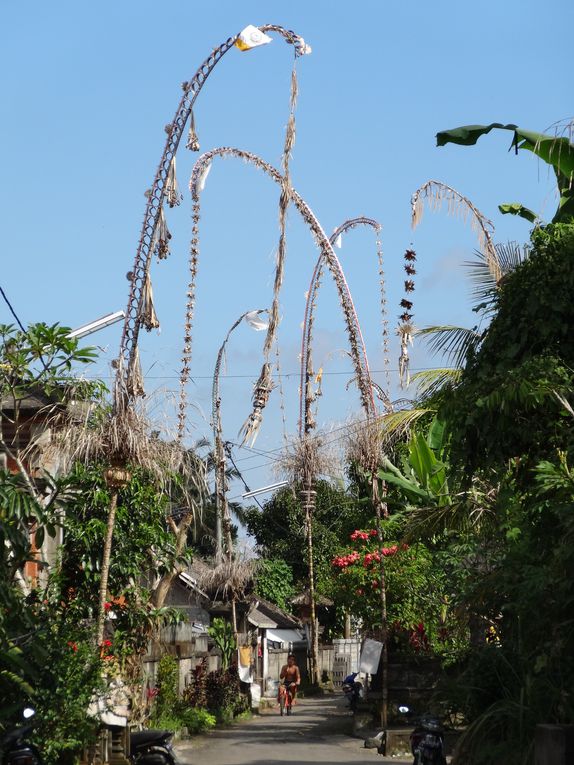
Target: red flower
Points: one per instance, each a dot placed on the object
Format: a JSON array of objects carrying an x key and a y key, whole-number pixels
[
  {"x": 73, "y": 646},
  {"x": 107, "y": 606}
]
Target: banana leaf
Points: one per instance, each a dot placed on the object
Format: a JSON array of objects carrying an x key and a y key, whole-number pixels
[{"x": 556, "y": 151}]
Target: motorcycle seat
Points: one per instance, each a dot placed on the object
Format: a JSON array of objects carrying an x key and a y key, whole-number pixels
[{"x": 150, "y": 736}]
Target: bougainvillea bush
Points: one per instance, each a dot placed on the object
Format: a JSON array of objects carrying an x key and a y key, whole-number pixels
[{"x": 420, "y": 616}]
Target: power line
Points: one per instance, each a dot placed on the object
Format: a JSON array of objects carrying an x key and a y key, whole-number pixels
[
  {"x": 12, "y": 310},
  {"x": 278, "y": 375}
]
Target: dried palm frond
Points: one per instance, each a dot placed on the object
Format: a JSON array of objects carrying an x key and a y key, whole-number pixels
[
  {"x": 430, "y": 381},
  {"x": 172, "y": 192},
  {"x": 455, "y": 343},
  {"x": 263, "y": 386},
  {"x": 147, "y": 315},
  {"x": 304, "y": 459},
  {"x": 365, "y": 444},
  {"x": 127, "y": 437},
  {"x": 460, "y": 206},
  {"x": 230, "y": 578}
]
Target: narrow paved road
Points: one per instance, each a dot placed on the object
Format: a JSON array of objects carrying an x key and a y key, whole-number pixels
[{"x": 318, "y": 731}]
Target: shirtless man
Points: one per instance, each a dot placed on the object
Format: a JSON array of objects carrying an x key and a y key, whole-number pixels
[{"x": 290, "y": 676}]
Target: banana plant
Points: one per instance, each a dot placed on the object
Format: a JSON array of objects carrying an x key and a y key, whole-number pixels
[
  {"x": 424, "y": 478},
  {"x": 221, "y": 632},
  {"x": 557, "y": 151}
]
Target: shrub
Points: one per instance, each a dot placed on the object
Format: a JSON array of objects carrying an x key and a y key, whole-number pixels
[
  {"x": 166, "y": 705},
  {"x": 198, "y": 720}
]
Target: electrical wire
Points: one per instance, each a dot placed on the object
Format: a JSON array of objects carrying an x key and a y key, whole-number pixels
[{"x": 13, "y": 312}]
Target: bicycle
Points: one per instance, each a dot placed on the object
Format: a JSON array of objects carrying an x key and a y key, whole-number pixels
[{"x": 285, "y": 699}]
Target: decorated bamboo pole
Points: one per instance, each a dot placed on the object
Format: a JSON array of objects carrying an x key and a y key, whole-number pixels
[
  {"x": 154, "y": 236},
  {"x": 222, "y": 520}
]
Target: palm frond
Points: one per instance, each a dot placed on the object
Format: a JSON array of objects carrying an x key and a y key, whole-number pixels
[
  {"x": 485, "y": 286},
  {"x": 455, "y": 343},
  {"x": 430, "y": 381},
  {"x": 367, "y": 442}
]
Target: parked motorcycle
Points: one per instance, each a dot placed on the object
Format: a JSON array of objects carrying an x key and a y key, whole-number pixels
[
  {"x": 152, "y": 747},
  {"x": 353, "y": 690},
  {"x": 427, "y": 742},
  {"x": 15, "y": 749}
]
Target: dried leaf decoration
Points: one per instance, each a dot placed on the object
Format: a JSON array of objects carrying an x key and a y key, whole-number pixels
[
  {"x": 162, "y": 237},
  {"x": 135, "y": 381},
  {"x": 192, "y": 139},
  {"x": 148, "y": 316},
  {"x": 261, "y": 392},
  {"x": 172, "y": 191}
]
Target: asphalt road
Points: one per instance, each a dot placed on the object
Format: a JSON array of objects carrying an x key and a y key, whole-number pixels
[{"x": 317, "y": 731}]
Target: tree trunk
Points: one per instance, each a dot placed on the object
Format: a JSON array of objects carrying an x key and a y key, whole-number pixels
[
  {"x": 160, "y": 591},
  {"x": 106, "y": 567}
]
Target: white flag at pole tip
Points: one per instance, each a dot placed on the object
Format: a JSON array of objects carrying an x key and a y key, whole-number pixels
[
  {"x": 251, "y": 37},
  {"x": 339, "y": 241},
  {"x": 255, "y": 321},
  {"x": 304, "y": 49},
  {"x": 200, "y": 184}
]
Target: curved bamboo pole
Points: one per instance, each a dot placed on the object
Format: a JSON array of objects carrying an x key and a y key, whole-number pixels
[
  {"x": 357, "y": 346},
  {"x": 154, "y": 208},
  {"x": 305, "y": 396},
  {"x": 222, "y": 521}
]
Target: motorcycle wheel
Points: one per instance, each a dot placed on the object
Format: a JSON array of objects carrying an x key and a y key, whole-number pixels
[{"x": 282, "y": 704}]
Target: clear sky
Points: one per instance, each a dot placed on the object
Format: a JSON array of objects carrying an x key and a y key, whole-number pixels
[{"x": 88, "y": 87}]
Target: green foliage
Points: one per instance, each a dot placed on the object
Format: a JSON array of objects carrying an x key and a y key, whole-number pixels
[
  {"x": 42, "y": 358},
  {"x": 274, "y": 582},
  {"x": 505, "y": 404},
  {"x": 418, "y": 588},
  {"x": 218, "y": 692},
  {"x": 221, "y": 632},
  {"x": 198, "y": 720},
  {"x": 223, "y": 693},
  {"x": 424, "y": 476},
  {"x": 143, "y": 547},
  {"x": 557, "y": 152},
  {"x": 279, "y": 530},
  {"x": 166, "y": 700}
]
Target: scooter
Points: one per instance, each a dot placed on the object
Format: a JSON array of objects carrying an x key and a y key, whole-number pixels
[
  {"x": 427, "y": 742},
  {"x": 152, "y": 747},
  {"x": 15, "y": 749},
  {"x": 353, "y": 690}
]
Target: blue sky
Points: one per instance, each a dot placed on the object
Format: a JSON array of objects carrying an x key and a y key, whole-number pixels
[{"x": 88, "y": 87}]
